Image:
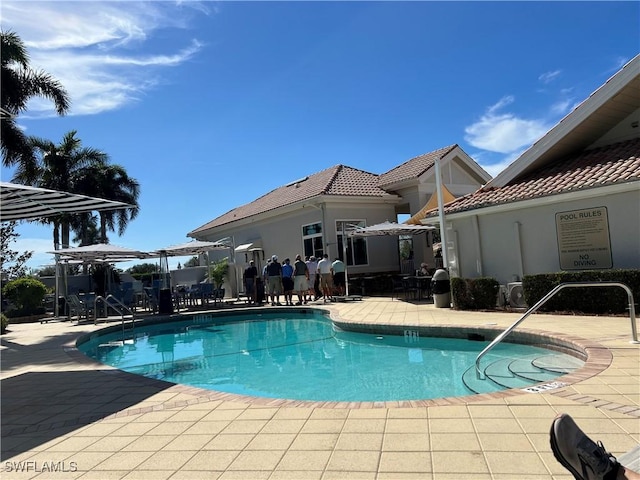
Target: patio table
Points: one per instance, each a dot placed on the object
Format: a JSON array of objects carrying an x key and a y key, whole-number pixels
[{"x": 423, "y": 284}]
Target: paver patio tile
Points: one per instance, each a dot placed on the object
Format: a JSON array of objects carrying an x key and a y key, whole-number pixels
[
  {"x": 323, "y": 426},
  {"x": 520, "y": 463},
  {"x": 188, "y": 442},
  {"x": 360, "y": 441},
  {"x": 315, "y": 441},
  {"x": 455, "y": 441},
  {"x": 283, "y": 426},
  {"x": 505, "y": 442},
  {"x": 257, "y": 460},
  {"x": 364, "y": 425},
  {"x": 276, "y": 441},
  {"x": 149, "y": 475},
  {"x": 338, "y": 475},
  {"x": 346, "y": 461},
  {"x": 233, "y": 441},
  {"x": 459, "y": 462},
  {"x": 123, "y": 460},
  {"x": 207, "y": 428},
  {"x": 110, "y": 443},
  {"x": 303, "y": 461},
  {"x": 245, "y": 475},
  {"x": 407, "y": 425},
  {"x": 405, "y": 462},
  {"x": 166, "y": 460},
  {"x": 504, "y": 425},
  {"x": 149, "y": 443},
  {"x": 210, "y": 461},
  {"x": 449, "y": 425}
]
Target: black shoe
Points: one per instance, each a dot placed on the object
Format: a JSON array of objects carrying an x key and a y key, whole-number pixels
[{"x": 585, "y": 459}]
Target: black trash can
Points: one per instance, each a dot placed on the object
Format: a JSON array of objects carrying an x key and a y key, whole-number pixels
[
  {"x": 165, "y": 303},
  {"x": 441, "y": 289},
  {"x": 62, "y": 306}
]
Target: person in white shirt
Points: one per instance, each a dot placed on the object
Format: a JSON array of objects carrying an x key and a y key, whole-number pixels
[
  {"x": 339, "y": 269},
  {"x": 326, "y": 273}
]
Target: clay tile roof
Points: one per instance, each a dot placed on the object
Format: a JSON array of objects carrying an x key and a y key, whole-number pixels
[
  {"x": 414, "y": 167},
  {"x": 337, "y": 180},
  {"x": 611, "y": 164}
]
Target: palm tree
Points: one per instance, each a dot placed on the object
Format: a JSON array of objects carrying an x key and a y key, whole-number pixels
[
  {"x": 19, "y": 84},
  {"x": 111, "y": 182},
  {"x": 59, "y": 167}
]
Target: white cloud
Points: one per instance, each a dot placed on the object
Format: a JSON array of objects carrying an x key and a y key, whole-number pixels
[
  {"x": 39, "y": 247},
  {"x": 549, "y": 77},
  {"x": 93, "y": 48},
  {"x": 504, "y": 132}
]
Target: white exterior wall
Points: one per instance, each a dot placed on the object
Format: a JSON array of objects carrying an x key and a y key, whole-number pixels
[
  {"x": 282, "y": 235},
  {"x": 498, "y": 239}
]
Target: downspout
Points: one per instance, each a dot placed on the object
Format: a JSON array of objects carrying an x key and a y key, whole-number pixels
[
  {"x": 476, "y": 233},
  {"x": 518, "y": 248},
  {"x": 443, "y": 235}
]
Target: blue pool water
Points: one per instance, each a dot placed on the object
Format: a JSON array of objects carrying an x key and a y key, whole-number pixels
[{"x": 298, "y": 356}]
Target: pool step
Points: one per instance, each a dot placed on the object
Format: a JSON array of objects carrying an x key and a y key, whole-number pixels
[
  {"x": 558, "y": 363},
  {"x": 501, "y": 372},
  {"x": 520, "y": 373}
]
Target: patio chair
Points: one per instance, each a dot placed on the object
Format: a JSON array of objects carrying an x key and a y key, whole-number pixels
[
  {"x": 218, "y": 295},
  {"x": 150, "y": 299},
  {"x": 411, "y": 287},
  {"x": 78, "y": 307},
  {"x": 206, "y": 292},
  {"x": 397, "y": 287},
  {"x": 195, "y": 294}
]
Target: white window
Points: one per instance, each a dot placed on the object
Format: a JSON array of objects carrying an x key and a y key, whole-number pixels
[
  {"x": 312, "y": 240},
  {"x": 356, "y": 246}
]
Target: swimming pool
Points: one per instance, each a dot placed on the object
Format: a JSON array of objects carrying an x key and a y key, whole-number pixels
[{"x": 301, "y": 355}]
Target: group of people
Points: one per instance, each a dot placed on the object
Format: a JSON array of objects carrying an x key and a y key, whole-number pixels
[{"x": 310, "y": 279}]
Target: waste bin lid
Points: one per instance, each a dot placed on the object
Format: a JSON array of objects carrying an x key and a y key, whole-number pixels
[{"x": 440, "y": 274}]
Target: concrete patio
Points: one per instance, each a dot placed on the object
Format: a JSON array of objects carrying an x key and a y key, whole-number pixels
[{"x": 65, "y": 416}]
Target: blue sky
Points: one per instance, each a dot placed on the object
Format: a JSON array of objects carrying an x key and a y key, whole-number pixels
[{"x": 209, "y": 105}]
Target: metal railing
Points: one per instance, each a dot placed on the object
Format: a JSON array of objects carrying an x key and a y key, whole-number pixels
[
  {"x": 112, "y": 302},
  {"x": 543, "y": 300}
]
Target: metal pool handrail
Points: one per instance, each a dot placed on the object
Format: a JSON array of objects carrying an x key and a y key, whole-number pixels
[
  {"x": 543, "y": 300},
  {"x": 117, "y": 305}
]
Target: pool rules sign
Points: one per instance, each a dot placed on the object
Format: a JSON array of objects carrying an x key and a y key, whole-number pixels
[{"x": 583, "y": 239}]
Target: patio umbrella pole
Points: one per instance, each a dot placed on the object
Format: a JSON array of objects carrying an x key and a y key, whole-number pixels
[{"x": 56, "y": 308}]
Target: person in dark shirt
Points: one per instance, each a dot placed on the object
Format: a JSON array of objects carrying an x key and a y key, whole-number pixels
[
  {"x": 274, "y": 277},
  {"x": 249, "y": 278},
  {"x": 300, "y": 279}
]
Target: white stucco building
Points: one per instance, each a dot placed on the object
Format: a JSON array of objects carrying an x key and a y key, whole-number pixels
[{"x": 307, "y": 216}]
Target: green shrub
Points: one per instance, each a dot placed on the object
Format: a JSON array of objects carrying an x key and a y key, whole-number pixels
[
  {"x": 592, "y": 300},
  {"x": 474, "y": 293},
  {"x": 26, "y": 294},
  {"x": 485, "y": 292},
  {"x": 461, "y": 295},
  {"x": 4, "y": 323}
]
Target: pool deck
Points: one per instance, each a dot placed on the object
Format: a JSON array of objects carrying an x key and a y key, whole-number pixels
[{"x": 64, "y": 416}]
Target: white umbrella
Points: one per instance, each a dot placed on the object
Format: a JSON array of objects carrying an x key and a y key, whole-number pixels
[
  {"x": 195, "y": 247},
  {"x": 389, "y": 228},
  {"x": 21, "y": 202},
  {"x": 100, "y": 251}
]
